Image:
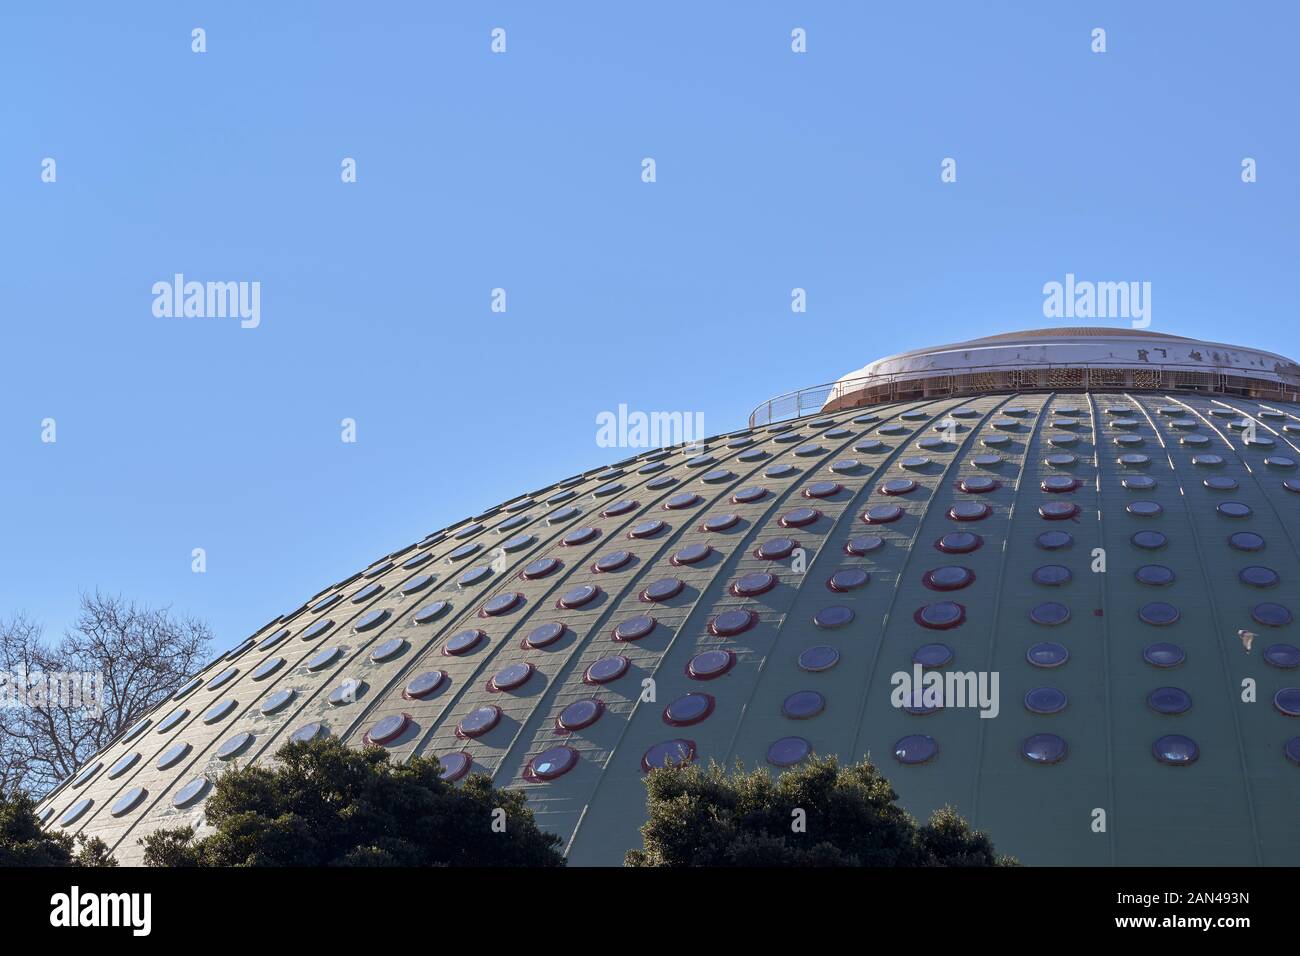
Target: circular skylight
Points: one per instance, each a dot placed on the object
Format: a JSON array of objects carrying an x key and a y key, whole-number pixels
[
  {"x": 688, "y": 709},
  {"x": 222, "y": 679},
  {"x": 863, "y": 544},
  {"x": 540, "y": 568},
  {"x": 720, "y": 522},
  {"x": 1271, "y": 615},
  {"x": 848, "y": 579},
  {"x": 959, "y": 542},
  {"x": 1169, "y": 700},
  {"x": 191, "y": 792},
  {"x": 76, "y": 811},
  {"x": 309, "y": 732},
  {"x": 882, "y": 514},
  {"x": 499, "y": 604},
  {"x": 387, "y": 650},
  {"x": 417, "y": 583},
  {"x": 978, "y": 484},
  {"x": 941, "y": 615},
  {"x": 274, "y": 639},
  {"x": 834, "y": 616},
  {"x": 1052, "y": 575},
  {"x": 817, "y": 659},
  {"x": 551, "y": 763},
  {"x": 950, "y": 577},
  {"x": 172, "y": 755},
  {"x": 1047, "y": 654},
  {"x": 732, "y": 622},
  {"x": 387, "y": 729},
  {"x": 579, "y": 715},
  {"x": 969, "y": 511},
  {"x": 427, "y": 614},
  {"x": 663, "y": 590},
  {"x": 753, "y": 584},
  {"x": 1149, "y": 540},
  {"x": 933, "y": 655},
  {"x": 710, "y": 664},
  {"x": 1257, "y": 576},
  {"x": 1246, "y": 541},
  {"x": 799, "y": 517},
  {"x": 123, "y": 765},
  {"x": 479, "y": 721},
  {"x": 634, "y": 628},
  {"x": 1044, "y": 749},
  {"x": 823, "y": 489},
  {"x": 234, "y": 746},
  {"x": 1049, "y": 613},
  {"x": 1045, "y": 700},
  {"x": 1058, "y": 510},
  {"x": 346, "y": 693},
  {"x": 317, "y": 628},
  {"x": 1176, "y": 749},
  {"x": 219, "y": 712},
  {"x": 1285, "y": 656},
  {"x": 915, "y": 749},
  {"x": 1163, "y": 654},
  {"x": 898, "y": 486},
  {"x": 463, "y": 642},
  {"x": 267, "y": 668},
  {"x": 1054, "y": 540},
  {"x": 647, "y": 529},
  {"x": 512, "y": 676},
  {"x": 788, "y": 751},
  {"x": 803, "y": 705},
  {"x": 774, "y": 549},
  {"x": 606, "y": 669},
  {"x": 668, "y": 753},
  {"x": 370, "y": 620}
]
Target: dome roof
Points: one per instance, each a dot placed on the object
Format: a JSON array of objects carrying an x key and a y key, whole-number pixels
[{"x": 757, "y": 600}]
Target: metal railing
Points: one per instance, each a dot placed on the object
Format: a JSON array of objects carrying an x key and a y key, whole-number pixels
[{"x": 983, "y": 379}]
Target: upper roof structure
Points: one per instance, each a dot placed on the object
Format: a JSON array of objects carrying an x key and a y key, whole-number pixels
[{"x": 1059, "y": 359}]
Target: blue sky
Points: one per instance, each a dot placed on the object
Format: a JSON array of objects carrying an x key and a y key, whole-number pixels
[{"x": 522, "y": 171}]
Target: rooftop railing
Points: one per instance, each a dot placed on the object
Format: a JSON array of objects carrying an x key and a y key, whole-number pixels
[{"x": 983, "y": 379}]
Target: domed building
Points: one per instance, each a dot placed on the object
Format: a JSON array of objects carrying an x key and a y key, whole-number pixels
[{"x": 1076, "y": 522}]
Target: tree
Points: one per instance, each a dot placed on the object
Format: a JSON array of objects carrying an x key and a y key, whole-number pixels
[
  {"x": 326, "y": 804},
  {"x": 23, "y": 842},
  {"x": 70, "y": 699},
  {"x": 818, "y": 814}
]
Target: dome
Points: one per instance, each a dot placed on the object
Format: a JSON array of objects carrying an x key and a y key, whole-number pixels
[{"x": 1083, "y": 556}]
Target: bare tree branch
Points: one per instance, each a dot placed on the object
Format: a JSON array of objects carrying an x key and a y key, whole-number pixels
[{"x": 138, "y": 655}]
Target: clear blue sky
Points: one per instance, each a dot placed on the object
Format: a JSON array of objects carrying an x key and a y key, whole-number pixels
[{"x": 523, "y": 171}]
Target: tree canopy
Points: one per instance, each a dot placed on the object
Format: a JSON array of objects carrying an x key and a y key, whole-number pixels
[
  {"x": 24, "y": 843},
  {"x": 817, "y": 814},
  {"x": 325, "y": 804}
]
